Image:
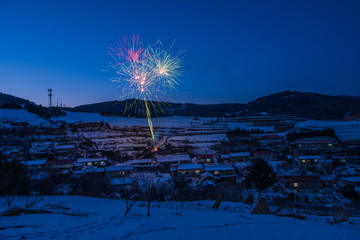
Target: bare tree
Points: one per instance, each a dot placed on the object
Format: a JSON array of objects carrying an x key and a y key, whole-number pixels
[
  {"x": 131, "y": 198},
  {"x": 32, "y": 200},
  {"x": 146, "y": 183},
  {"x": 13, "y": 180}
]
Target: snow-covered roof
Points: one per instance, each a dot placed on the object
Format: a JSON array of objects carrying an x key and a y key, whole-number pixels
[
  {"x": 225, "y": 156},
  {"x": 201, "y": 156},
  {"x": 60, "y": 162},
  {"x": 140, "y": 161},
  {"x": 218, "y": 167},
  {"x": 121, "y": 181},
  {"x": 310, "y": 157},
  {"x": 189, "y": 167},
  {"x": 119, "y": 168},
  {"x": 79, "y": 172},
  {"x": 173, "y": 158},
  {"x": 64, "y": 146},
  {"x": 84, "y": 160},
  {"x": 240, "y": 154},
  {"x": 354, "y": 179},
  {"x": 34, "y": 162},
  {"x": 94, "y": 170},
  {"x": 263, "y": 152}
]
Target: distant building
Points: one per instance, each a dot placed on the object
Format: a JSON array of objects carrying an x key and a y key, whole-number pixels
[
  {"x": 306, "y": 182},
  {"x": 141, "y": 165},
  {"x": 310, "y": 160},
  {"x": 34, "y": 165},
  {"x": 347, "y": 160},
  {"x": 265, "y": 154},
  {"x": 240, "y": 157},
  {"x": 189, "y": 170},
  {"x": 173, "y": 160},
  {"x": 224, "y": 172},
  {"x": 60, "y": 164},
  {"x": 225, "y": 158},
  {"x": 314, "y": 143},
  {"x": 207, "y": 158},
  {"x": 92, "y": 162}
]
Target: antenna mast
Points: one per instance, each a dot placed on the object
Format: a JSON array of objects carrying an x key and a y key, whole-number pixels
[{"x": 50, "y": 95}]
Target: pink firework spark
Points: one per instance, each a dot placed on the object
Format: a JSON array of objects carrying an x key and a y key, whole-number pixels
[{"x": 130, "y": 51}]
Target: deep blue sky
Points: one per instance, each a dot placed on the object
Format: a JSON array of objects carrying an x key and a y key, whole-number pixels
[{"x": 236, "y": 51}]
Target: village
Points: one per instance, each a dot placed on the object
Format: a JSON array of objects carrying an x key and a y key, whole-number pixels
[{"x": 194, "y": 159}]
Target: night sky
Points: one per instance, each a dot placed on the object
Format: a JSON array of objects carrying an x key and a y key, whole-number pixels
[{"x": 235, "y": 51}]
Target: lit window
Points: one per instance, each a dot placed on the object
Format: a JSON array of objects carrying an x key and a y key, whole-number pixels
[
  {"x": 216, "y": 172},
  {"x": 296, "y": 184},
  {"x": 197, "y": 171},
  {"x": 303, "y": 161},
  {"x": 89, "y": 164}
]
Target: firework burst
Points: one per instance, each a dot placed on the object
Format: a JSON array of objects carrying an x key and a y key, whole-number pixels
[{"x": 145, "y": 73}]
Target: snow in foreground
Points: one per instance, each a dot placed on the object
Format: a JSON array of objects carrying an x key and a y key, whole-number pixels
[{"x": 96, "y": 218}]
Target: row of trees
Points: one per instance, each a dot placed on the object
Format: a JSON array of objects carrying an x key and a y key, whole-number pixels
[
  {"x": 307, "y": 133},
  {"x": 242, "y": 132},
  {"x": 14, "y": 181}
]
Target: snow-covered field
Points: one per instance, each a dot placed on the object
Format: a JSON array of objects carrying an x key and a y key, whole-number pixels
[
  {"x": 95, "y": 218},
  {"x": 174, "y": 121},
  {"x": 21, "y": 115},
  {"x": 345, "y": 130},
  {"x": 72, "y": 117}
]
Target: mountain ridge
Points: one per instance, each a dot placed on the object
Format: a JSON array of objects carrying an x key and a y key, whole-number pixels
[{"x": 293, "y": 103}]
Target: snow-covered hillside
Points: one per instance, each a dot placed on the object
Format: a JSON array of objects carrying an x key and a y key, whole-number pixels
[{"x": 96, "y": 218}]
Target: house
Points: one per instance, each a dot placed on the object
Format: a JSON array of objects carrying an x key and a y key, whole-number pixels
[
  {"x": 119, "y": 171},
  {"x": 60, "y": 164},
  {"x": 116, "y": 171},
  {"x": 306, "y": 182},
  {"x": 240, "y": 157},
  {"x": 92, "y": 162},
  {"x": 11, "y": 152},
  {"x": 315, "y": 142},
  {"x": 126, "y": 148},
  {"x": 309, "y": 160},
  {"x": 118, "y": 184},
  {"x": 189, "y": 170},
  {"x": 264, "y": 154},
  {"x": 225, "y": 158},
  {"x": 224, "y": 172},
  {"x": 40, "y": 149},
  {"x": 347, "y": 160},
  {"x": 34, "y": 165},
  {"x": 64, "y": 148},
  {"x": 353, "y": 180},
  {"x": 173, "y": 160},
  {"x": 141, "y": 165},
  {"x": 207, "y": 158}
]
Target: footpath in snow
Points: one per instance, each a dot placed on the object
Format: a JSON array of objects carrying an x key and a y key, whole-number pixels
[{"x": 96, "y": 218}]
